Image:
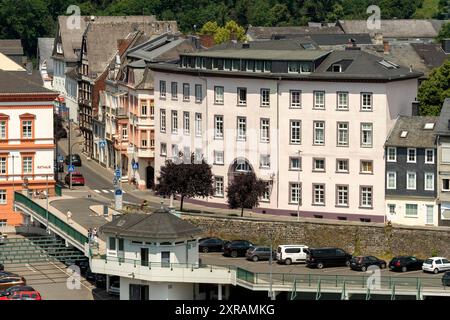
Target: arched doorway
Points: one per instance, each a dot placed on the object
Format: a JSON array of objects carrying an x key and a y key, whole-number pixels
[
  {"x": 150, "y": 177},
  {"x": 240, "y": 165}
]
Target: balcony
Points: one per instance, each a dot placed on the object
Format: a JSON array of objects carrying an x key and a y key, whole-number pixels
[{"x": 146, "y": 153}]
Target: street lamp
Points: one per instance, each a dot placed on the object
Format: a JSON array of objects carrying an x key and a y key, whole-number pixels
[
  {"x": 271, "y": 295},
  {"x": 299, "y": 188}
]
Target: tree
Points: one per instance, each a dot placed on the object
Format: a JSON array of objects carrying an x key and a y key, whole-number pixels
[
  {"x": 225, "y": 33},
  {"x": 434, "y": 90},
  {"x": 187, "y": 179},
  {"x": 245, "y": 191},
  {"x": 444, "y": 33},
  {"x": 209, "y": 27}
]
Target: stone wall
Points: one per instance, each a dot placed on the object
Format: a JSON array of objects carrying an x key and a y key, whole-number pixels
[{"x": 356, "y": 238}]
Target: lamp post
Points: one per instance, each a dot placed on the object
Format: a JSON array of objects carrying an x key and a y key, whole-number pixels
[
  {"x": 299, "y": 188},
  {"x": 271, "y": 295}
]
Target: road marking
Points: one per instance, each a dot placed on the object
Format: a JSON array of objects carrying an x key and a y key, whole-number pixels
[
  {"x": 98, "y": 191},
  {"x": 112, "y": 191},
  {"x": 105, "y": 191},
  {"x": 30, "y": 268}
]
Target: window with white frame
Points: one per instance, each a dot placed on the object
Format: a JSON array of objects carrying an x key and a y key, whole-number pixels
[
  {"x": 318, "y": 164},
  {"x": 264, "y": 161},
  {"x": 242, "y": 96},
  {"x": 366, "y": 196},
  {"x": 186, "y": 123},
  {"x": 411, "y": 210},
  {"x": 124, "y": 132},
  {"x": 27, "y": 165},
  {"x": 429, "y": 156},
  {"x": 144, "y": 110},
  {"x": 319, "y": 194},
  {"x": 27, "y": 129},
  {"x": 342, "y": 134},
  {"x": 218, "y": 127},
  {"x": 342, "y": 195},
  {"x": 295, "y": 97},
  {"x": 163, "y": 120},
  {"x": 391, "y": 208},
  {"x": 3, "y": 196},
  {"x": 218, "y": 157},
  {"x": 295, "y": 163},
  {"x": 411, "y": 180},
  {"x": 366, "y": 101},
  {"x": 3, "y": 129},
  {"x": 175, "y": 152},
  {"x": 319, "y": 133},
  {"x": 391, "y": 154},
  {"x": 162, "y": 89},
  {"x": 266, "y": 194},
  {"x": 218, "y": 186},
  {"x": 163, "y": 151},
  {"x": 366, "y": 135},
  {"x": 3, "y": 222},
  {"x": 3, "y": 162},
  {"x": 366, "y": 166},
  {"x": 319, "y": 99},
  {"x": 265, "y": 130},
  {"x": 218, "y": 95},
  {"x": 241, "y": 128},
  {"x": 198, "y": 93},
  {"x": 342, "y": 166},
  {"x": 391, "y": 180},
  {"x": 342, "y": 100},
  {"x": 412, "y": 155},
  {"x": 174, "y": 92},
  {"x": 186, "y": 92},
  {"x": 429, "y": 181},
  {"x": 174, "y": 121},
  {"x": 265, "y": 97},
  {"x": 445, "y": 184},
  {"x": 296, "y": 131},
  {"x": 144, "y": 143},
  {"x": 198, "y": 124},
  {"x": 294, "y": 192}
]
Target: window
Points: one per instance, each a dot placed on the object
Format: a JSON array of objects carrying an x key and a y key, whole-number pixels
[
  {"x": 218, "y": 157},
  {"x": 319, "y": 99},
  {"x": 241, "y": 128},
  {"x": 342, "y": 100},
  {"x": 295, "y": 193},
  {"x": 366, "y": 101},
  {"x": 27, "y": 129},
  {"x": 445, "y": 184},
  {"x": 295, "y": 163},
  {"x": 186, "y": 92},
  {"x": 295, "y": 99},
  {"x": 175, "y": 152},
  {"x": 3, "y": 129},
  {"x": 266, "y": 194},
  {"x": 124, "y": 133},
  {"x": 198, "y": 93},
  {"x": 162, "y": 89},
  {"x": 366, "y": 196},
  {"x": 391, "y": 180},
  {"x": 342, "y": 166},
  {"x": 186, "y": 123},
  {"x": 342, "y": 134},
  {"x": 218, "y": 127},
  {"x": 319, "y": 194},
  {"x": 242, "y": 96},
  {"x": 112, "y": 243},
  {"x": 367, "y": 166},
  {"x": 412, "y": 154},
  {"x": 3, "y": 162},
  {"x": 318, "y": 164},
  {"x": 174, "y": 87},
  {"x": 27, "y": 164},
  {"x": 429, "y": 156},
  {"x": 411, "y": 180},
  {"x": 391, "y": 154},
  {"x": 3, "y": 196},
  {"x": 144, "y": 110},
  {"x": 293, "y": 67},
  {"x": 163, "y": 120},
  {"x": 429, "y": 181},
  {"x": 218, "y": 95},
  {"x": 265, "y": 97},
  {"x": 411, "y": 210},
  {"x": 342, "y": 195},
  {"x": 264, "y": 161},
  {"x": 163, "y": 149},
  {"x": 144, "y": 143},
  {"x": 218, "y": 186},
  {"x": 174, "y": 121},
  {"x": 295, "y": 130},
  {"x": 198, "y": 124},
  {"x": 366, "y": 135},
  {"x": 265, "y": 130},
  {"x": 391, "y": 208},
  {"x": 319, "y": 133}
]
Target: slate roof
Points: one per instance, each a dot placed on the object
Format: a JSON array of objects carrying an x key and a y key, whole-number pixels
[
  {"x": 328, "y": 39},
  {"x": 431, "y": 53},
  {"x": 265, "y": 54},
  {"x": 298, "y": 43},
  {"x": 11, "y": 47},
  {"x": 70, "y": 37},
  {"x": 14, "y": 82},
  {"x": 45, "y": 47},
  {"x": 159, "y": 225},
  {"x": 444, "y": 117},
  {"x": 417, "y": 136},
  {"x": 255, "y": 33}
]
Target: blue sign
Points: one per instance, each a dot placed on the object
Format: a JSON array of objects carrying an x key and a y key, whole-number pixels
[
  {"x": 61, "y": 158},
  {"x": 135, "y": 166},
  {"x": 118, "y": 173},
  {"x": 71, "y": 168},
  {"x": 102, "y": 144},
  {"x": 118, "y": 192}
]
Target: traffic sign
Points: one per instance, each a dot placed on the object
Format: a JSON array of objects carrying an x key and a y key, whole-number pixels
[
  {"x": 71, "y": 168},
  {"x": 61, "y": 158},
  {"x": 118, "y": 173},
  {"x": 135, "y": 166},
  {"x": 118, "y": 192},
  {"x": 102, "y": 144}
]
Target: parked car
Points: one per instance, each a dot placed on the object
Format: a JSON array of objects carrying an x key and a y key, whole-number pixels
[
  {"x": 436, "y": 265},
  {"x": 9, "y": 281},
  {"x": 259, "y": 253},
  {"x": 2, "y": 267},
  {"x": 405, "y": 263},
  {"x": 83, "y": 265},
  {"x": 328, "y": 257},
  {"x": 12, "y": 289},
  {"x": 61, "y": 133},
  {"x": 2, "y": 238},
  {"x": 114, "y": 288},
  {"x": 363, "y": 262},
  {"x": 4, "y": 273},
  {"x": 211, "y": 245},
  {"x": 237, "y": 248},
  {"x": 446, "y": 279},
  {"x": 77, "y": 179},
  {"x": 23, "y": 295},
  {"x": 76, "y": 160},
  {"x": 292, "y": 253},
  {"x": 100, "y": 281}
]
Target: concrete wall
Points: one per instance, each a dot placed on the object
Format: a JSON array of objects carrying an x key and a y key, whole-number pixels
[{"x": 159, "y": 290}]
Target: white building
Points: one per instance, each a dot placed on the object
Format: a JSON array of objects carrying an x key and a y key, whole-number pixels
[{"x": 254, "y": 107}]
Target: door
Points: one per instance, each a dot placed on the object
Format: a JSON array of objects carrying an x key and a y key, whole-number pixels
[
  {"x": 144, "y": 257},
  {"x": 165, "y": 259},
  {"x": 150, "y": 177},
  {"x": 446, "y": 264},
  {"x": 430, "y": 214},
  {"x": 120, "y": 252},
  {"x": 135, "y": 292},
  {"x": 339, "y": 258},
  {"x": 302, "y": 254}
]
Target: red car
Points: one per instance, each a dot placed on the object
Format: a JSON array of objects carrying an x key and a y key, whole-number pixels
[
  {"x": 77, "y": 179},
  {"x": 23, "y": 295}
]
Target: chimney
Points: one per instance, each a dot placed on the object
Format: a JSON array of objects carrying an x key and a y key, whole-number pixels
[
  {"x": 446, "y": 45},
  {"x": 378, "y": 38},
  {"x": 207, "y": 40},
  {"x": 386, "y": 47},
  {"x": 246, "y": 45},
  {"x": 29, "y": 68},
  {"x": 351, "y": 45}
]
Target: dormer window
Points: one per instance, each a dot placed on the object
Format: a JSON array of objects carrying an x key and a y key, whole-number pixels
[
  {"x": 428, "y": 126},
  {"x": 336, "y": 68},
  {"x": 59, "y": 48}
]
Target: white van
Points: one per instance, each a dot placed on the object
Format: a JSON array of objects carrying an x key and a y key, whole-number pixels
[{"x": 291, "y": 253}]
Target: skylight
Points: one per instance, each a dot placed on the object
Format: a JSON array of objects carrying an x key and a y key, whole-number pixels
[
  {"x": 388, "y": 64},
  {"x": 403, "y": 134},
  {"x": 307, "y": 46},
  {"x": 428, "y": 126}
]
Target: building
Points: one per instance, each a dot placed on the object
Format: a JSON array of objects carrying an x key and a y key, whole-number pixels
[
  {"x": 26, "y": 139},
  {"x": 411, "y": 184},
  {"x": 44, "y": 54},
  {"x": 248, "y": 109},
  {"x": 12, "y": 48},
  {"x": 155, "y": 257},
  {"x": 265, "y": 33},
  {"x": 6, "y": 64},
  {"x": 442, "y": 131}
]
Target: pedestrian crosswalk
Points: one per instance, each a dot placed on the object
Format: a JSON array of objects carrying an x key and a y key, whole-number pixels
[{"x": 106, "y": 191}]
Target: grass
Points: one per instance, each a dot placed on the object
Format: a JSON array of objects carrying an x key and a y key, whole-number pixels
[{"x": 428, "y": 10}]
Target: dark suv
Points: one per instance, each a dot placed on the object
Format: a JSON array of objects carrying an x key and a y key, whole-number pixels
[
  {"x": 259, "y": 253},
  {"x": 328, "y": 257},
  {"x": 364, "y": 262},
  {"x": 405, "y": 263},
  {"x": 237, "y": 248},
  {"x": 76, "y": 160}
]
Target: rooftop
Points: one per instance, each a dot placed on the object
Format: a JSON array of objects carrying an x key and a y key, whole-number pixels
[
  {"x": 45, "y": 47},
  {"x": 262, "y": 54},
  {"x": 442, "y": 125},
  {"x": 11, "y": 47},
  {"x": 20, "y": 82},
  {"x": 255, "y": 33},
  {"x": 413, "y": 131}
]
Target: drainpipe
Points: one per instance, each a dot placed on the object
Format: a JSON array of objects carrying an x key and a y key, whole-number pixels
[{"x": 278, "y": 142}]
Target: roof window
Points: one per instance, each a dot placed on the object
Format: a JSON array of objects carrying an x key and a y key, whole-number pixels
[
  {"x": 428, "y": 126},
  {"x": 403, "y": 134},
  {"x": 388, "y": 64}
]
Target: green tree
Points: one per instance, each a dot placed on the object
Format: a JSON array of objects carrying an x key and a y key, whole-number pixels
[
  {"x": 245, "y": 191},
  {"x": 225, "y": 33},
  {"x": 444, "y": 33},
  {"x": 209, "y": 27},
  {"x": 434, "y": 90}
]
